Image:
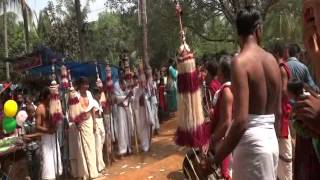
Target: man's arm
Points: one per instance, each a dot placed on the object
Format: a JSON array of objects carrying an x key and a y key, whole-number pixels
[
  {"x": 284, "y": 81},
  {"x": 240, "y": 89},
  {"x": 32, "y": 137},
  {"x": 225, "y": 115}
]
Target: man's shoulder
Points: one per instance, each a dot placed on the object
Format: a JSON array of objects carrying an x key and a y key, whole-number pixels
[
  {"x": 296, "y": 62},
  {"x": 40, "y": 108}
]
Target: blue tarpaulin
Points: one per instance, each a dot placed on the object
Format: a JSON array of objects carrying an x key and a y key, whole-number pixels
[{"x": 77, "y": 70}]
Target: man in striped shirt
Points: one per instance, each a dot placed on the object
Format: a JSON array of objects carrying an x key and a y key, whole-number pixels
[{"x": 299, "y": 70}]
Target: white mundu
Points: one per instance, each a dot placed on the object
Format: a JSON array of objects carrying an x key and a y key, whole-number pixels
[
  {"x": 125, "y": 121},
  {"x": 285, "y": 158},
  {"x": 87, "y": 141},
  {"x": 99, "y": 136},
  {"x": 143, "y": 119},
  {"x": 51, "y": 158},
  {"x": 256, "y": 156}
]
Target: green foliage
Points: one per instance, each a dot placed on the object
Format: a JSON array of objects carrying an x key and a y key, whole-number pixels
[
  {"x": 15, "y": 36},
  {"x": 111, "y": 34},
  {"x": 284, "y": 22}
]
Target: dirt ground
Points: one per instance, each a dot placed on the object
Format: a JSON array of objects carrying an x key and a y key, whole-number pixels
[{"x": 162, "y": 162}]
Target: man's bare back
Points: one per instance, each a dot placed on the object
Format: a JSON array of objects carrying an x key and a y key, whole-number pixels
[
  {"x": 256, "y": 86},
  {"x": 263, "y": 79}
]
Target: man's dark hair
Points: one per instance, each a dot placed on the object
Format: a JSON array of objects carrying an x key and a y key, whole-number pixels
[
  {"x": 225, "y": 65},
  {"x": 212, "y": 68},
  {"x": 278, "y": 48},
  {"x": 294, "y": 50},
  {"x": 248, "y": 19},
  {"x": 171, "y": 61},
  {"x": 44, "y": 94},
  {"x": 83, "y": 80}
]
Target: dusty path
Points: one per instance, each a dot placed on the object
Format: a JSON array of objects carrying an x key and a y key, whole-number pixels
[{"x": 162, "y": 162}]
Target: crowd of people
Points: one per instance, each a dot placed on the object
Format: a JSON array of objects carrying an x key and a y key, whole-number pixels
[
  {"x": 261, "y": 104},
  {"x": 101, "y": 124}
]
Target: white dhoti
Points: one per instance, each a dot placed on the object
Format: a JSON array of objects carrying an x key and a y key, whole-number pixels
[
  {"x": 88, "y": 154},
  {"x": 143, "y": 128},
  {"x": 51, "y": 157},
  {"x": 285, "y": 158},
  {"x": 124, "y": 131},
  {"x": 143, "y": 118},
  {"x": 256, "y": 156},
  {"x": 76, "y": 162},
  {"x": 154, "y": 108},
  {"x": 100, "y": 139}
]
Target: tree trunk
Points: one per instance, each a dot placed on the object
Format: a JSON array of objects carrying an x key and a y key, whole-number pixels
[
  {"x": 25, "y": 24},
  {"x": 80, "y": 30},
  {"x": 144, "y": 22},
  {"x": 5, "y": 32}
]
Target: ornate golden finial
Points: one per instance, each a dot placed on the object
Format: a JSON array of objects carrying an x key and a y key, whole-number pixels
[{"x": 184, "y": 46}]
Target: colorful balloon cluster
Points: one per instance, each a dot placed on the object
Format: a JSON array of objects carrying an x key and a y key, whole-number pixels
[{"x": 10, "y": 109}]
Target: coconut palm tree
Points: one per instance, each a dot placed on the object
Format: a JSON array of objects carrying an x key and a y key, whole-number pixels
[
  {"x": 14, "y": 5},
  {"x": 143, "y": 16},
  {"x": 3, "y": 5},
  {"x": 27, "y": 19}
]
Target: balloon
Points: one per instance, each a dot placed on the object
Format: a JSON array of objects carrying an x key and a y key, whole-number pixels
[
  {"x": 21, "y": 117},
  {"x": 10, "y": 108},
  {"x": 9, "y": 124}
]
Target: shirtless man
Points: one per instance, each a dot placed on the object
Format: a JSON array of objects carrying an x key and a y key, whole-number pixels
[
  {"x": 256, "y": 85},
  {"x": 50, "y": 151}
]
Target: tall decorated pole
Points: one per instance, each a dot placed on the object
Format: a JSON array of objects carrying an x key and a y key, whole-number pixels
[
  {"x": 64, "y": 78},
  {"x": 109, "y": 83},
  {"x": 192, "y": 130},
  {"x": 127, "y": 71},
  {"x": 64, "y": 86},
  {"x": 55, "y": 108},
  {"x": 128, "y": 75},
  {"x": 103, "y": 99}
]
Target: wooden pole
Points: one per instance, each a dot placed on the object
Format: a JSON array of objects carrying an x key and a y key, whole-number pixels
[
  {"x": 5, "y": 32},
  {"x": 143, "y": 9}
]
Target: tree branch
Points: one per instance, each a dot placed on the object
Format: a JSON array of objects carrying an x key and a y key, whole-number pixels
[{"x": 208, "y": 38}]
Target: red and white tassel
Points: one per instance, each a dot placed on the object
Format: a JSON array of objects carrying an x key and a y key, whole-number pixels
[
  {"x": 75, "y": 112},
  {"x": 55, "y": 108},
  {"x": 192, "y": 129}
]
